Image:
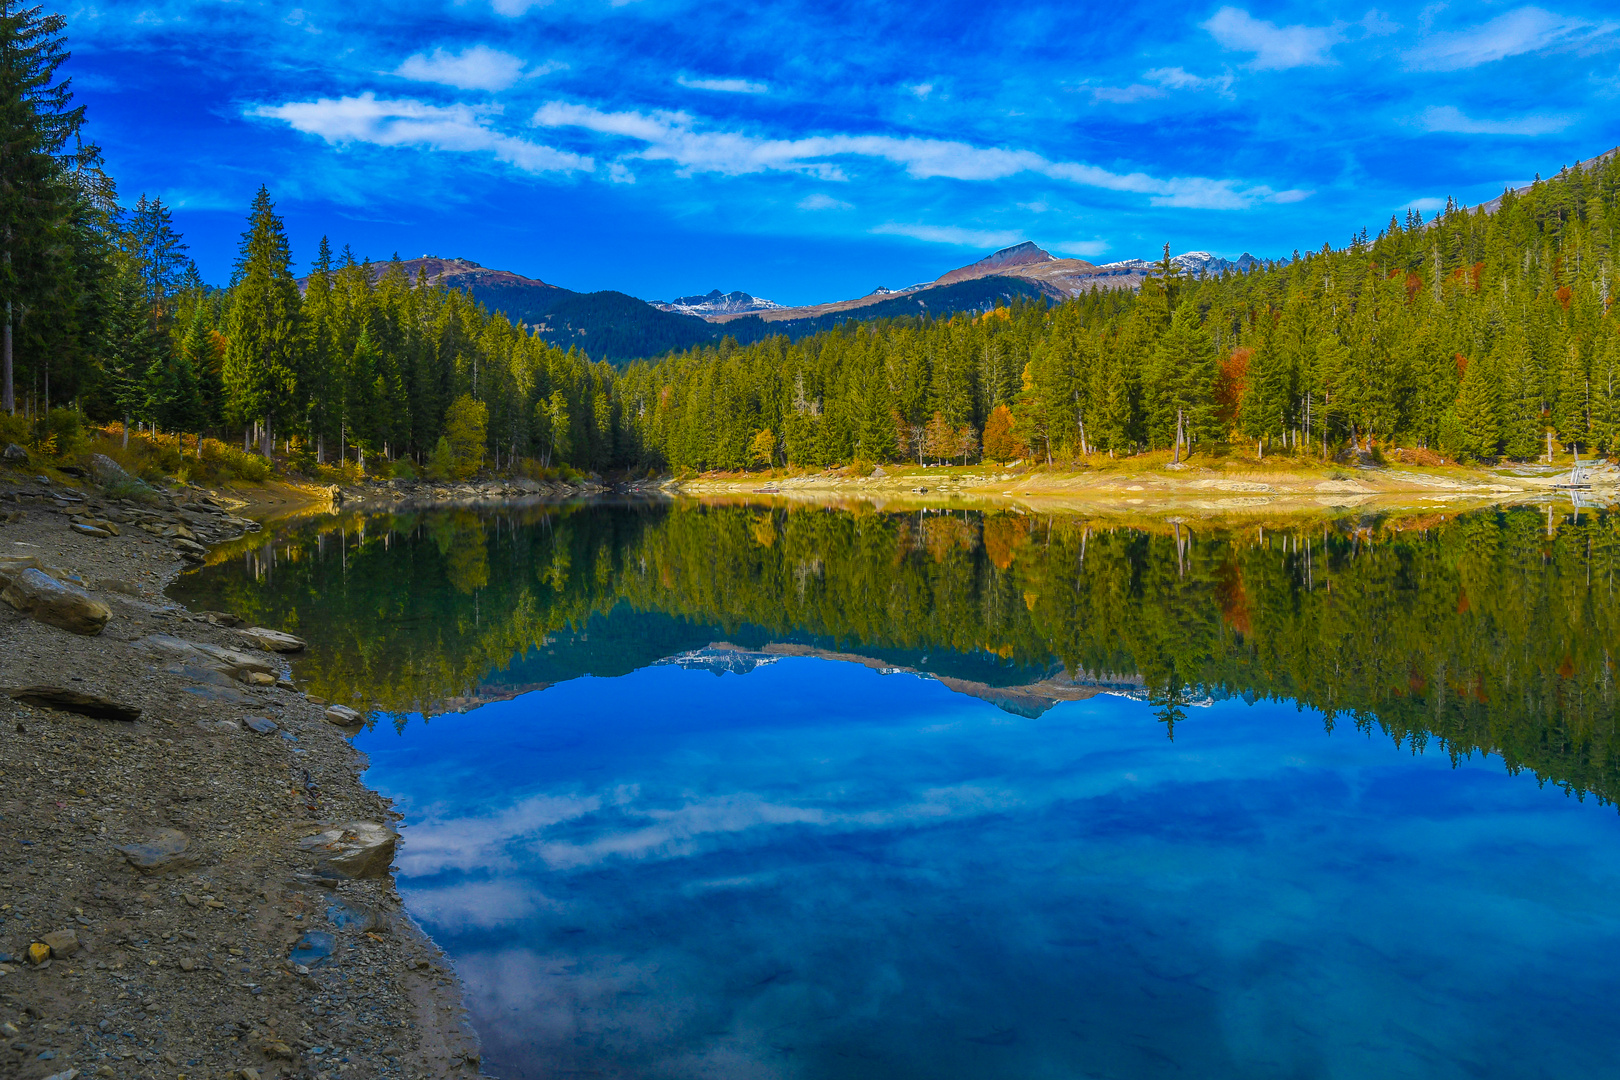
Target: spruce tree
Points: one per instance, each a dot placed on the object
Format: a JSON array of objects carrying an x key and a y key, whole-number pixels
[
  {"x": 39, "y": 125},
  {"x": 1478, "y": 412},
  {"x": 265, "y": 334}
]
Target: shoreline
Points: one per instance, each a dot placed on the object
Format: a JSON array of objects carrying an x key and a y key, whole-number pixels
[
  {"x": 1231, "y": 489},
  {"x": 185, "y": 966}
]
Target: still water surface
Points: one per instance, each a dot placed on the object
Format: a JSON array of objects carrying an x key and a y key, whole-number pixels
[{"x": 743, "y": 792}]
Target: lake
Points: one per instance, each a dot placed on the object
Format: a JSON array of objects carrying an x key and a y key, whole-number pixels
[{"x": 747, "y": 791}]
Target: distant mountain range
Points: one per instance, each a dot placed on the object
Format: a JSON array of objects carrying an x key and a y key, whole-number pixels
[
  {"x": 716, "y": 303},
  {"x": 616, "y": 326}
]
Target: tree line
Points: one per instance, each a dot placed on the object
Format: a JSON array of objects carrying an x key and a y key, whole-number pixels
[{"x": 1476, "y": 335}]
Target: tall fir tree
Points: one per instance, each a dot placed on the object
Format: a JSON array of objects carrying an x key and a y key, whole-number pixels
[{"x": 265, "y": 337}]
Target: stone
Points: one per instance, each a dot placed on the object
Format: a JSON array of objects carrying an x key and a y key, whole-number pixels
[
  {"x": 15, "y": 453},
  {"x": 76, "y": 701},
  {"x": 259, "y": 678},
  {"x": 67, "y": 1074},
  {"x": 274, "y": 640},
  {"x": 169, "y": 849},
  {"x": 247, "y": 1074},
  {"x": 260, "y": 724},
  {"x": 55, "y": 603},
  {"x": 343, "y": 716},
  {"x": 179, "y": 532},
  {"x": 274, "y": 1049},
  {"x": 187, "y": 964},
  {"x": 119, "y": 585},
  {"x": 107, "y": 471},
  {"x": 222, "y": 618},
  {"x": 62, "y": 943},
  {"x": 189, "y": 546},
  {"x": 359, "y": 849},
  {"x": 38, "y": 953},
  {"x": 85, "y": 529}
]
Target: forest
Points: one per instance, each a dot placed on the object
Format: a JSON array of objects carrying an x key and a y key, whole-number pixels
[{"x": 1474, "y": 335}]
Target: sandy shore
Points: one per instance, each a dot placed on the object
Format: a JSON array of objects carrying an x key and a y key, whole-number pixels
[
  {"x": 1136, "y": 487},
  {"x": 185, "y": 967}
]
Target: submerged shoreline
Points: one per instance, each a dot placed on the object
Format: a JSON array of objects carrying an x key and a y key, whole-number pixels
[{"x": 171, "y": 897}]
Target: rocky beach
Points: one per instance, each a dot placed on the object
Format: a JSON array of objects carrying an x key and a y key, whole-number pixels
[{"x": 194, "y": 880}]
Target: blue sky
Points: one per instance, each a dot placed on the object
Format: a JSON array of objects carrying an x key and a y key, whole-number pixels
[{"x": 813, "y": 151}]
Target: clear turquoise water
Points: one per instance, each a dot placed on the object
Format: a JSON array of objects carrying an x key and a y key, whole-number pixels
[{"x": 815, "y": 870}]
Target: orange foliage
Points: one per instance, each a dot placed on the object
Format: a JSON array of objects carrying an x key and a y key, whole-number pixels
[
  {"x": 1563, "y": 295},
  {"x": 1000, "y": 444},
  {"x": 1230, "y": 382},
  {"x": 1462, "y": 364}
]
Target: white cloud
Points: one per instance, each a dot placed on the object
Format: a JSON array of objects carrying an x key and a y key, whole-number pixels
[
  {"x": 1376, "y": 24},
  {"x": 475, "y": 68},
  {"x": 513, "y": 8},
  {"x": 620, "y": 175},
  {"x": 1174, "y": 78},
  {"x": 820, "y": 201},
  {"x": 673, "y": 137},
  {"x": 1275, "y": 48},
  {"x": 1081, "y": 249},
  {"x": 1125, "y": 95},
  {"x": 952, "y": 234},
  {"x": 1449, "y": 118},
  {"x": 921, "y": 90},
  {"x": 724, "y": 86},
  {"x": 1529, "y": 29},
  {"x": 406, "y": 122},
  {"x": 1426, "y": 206}
]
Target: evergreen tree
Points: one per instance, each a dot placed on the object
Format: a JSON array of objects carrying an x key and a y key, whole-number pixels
[
  {"x": 264, "y": 341},
  {"x": 39, "y": 126},
  {"x": 1478, "y": 414}
]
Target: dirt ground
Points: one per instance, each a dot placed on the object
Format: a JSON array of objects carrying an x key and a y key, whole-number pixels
[{"x": 185, "y": 968}]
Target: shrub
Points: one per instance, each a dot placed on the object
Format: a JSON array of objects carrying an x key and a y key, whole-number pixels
[
  {"x": 13, "y": 429},
  {"x": 134, "y": 490},
  {"x": 466, "y": 425},
  {"x": 68, "y": 428},
  {"x": 402, "y": 470},
  {"x": 442, "y": 462}
]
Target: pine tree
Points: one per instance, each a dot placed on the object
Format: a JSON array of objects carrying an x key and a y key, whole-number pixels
[
  {"x": 265, "y": 338},
  {"x": 38, "y": 125},
  {"x": 1183, "y": 382},
  {"x": 1478, "y": 412}
]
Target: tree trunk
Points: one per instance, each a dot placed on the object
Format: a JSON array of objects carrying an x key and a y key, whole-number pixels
[
  {"x": 8, "y": 396},
  {"x": 1177, "y": 459}
]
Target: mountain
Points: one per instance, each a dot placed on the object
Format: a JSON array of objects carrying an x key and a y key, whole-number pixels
[
  {"x": 716, "y": 303},
  {"x": 615, "y": 326},
  {"x": 608, "y": 325},
  {"x": 1036, "y": 270}
]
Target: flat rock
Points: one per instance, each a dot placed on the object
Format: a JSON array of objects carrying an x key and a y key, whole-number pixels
[
  {"x": 75, "y": 701},
  {"x": 360, "y": 849},
  {"x": 260, "y": 724},
  {"x": 86, "y": 529},
  {"x": 362, "y": 918},
  {"x": 62, "y": 943},
  {"x": 232, "y": 661},
  {"x": 189, "y": 546},
  {"x": 274, "y": 640},
  {"x": 343, "y": 716},
  {"x": 56, "y": 603},
  {"x": 169, "y": 849}
]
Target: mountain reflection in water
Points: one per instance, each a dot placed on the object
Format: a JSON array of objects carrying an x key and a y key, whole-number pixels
[{"x": 927, "y": 822}]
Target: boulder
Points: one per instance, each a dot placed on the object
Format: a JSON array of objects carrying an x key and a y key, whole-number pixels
[
  {"x": 261, "y": 724},
  {"x": 343, "y": 716},
  {"x": 274, "y": 640},
  {"x": 107, "y": 471},
  {"x": 55, "y": 603},
  {"x": 238, "y": 665},
  {"x": 75, "y": 701},
  {"x": 15, "y": 453},
  {"x": 169, "y": 849},
  {"x": 360, "y": 849}
]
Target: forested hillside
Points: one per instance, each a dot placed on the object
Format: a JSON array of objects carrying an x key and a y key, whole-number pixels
[{"x": 1479, "y": 335}]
